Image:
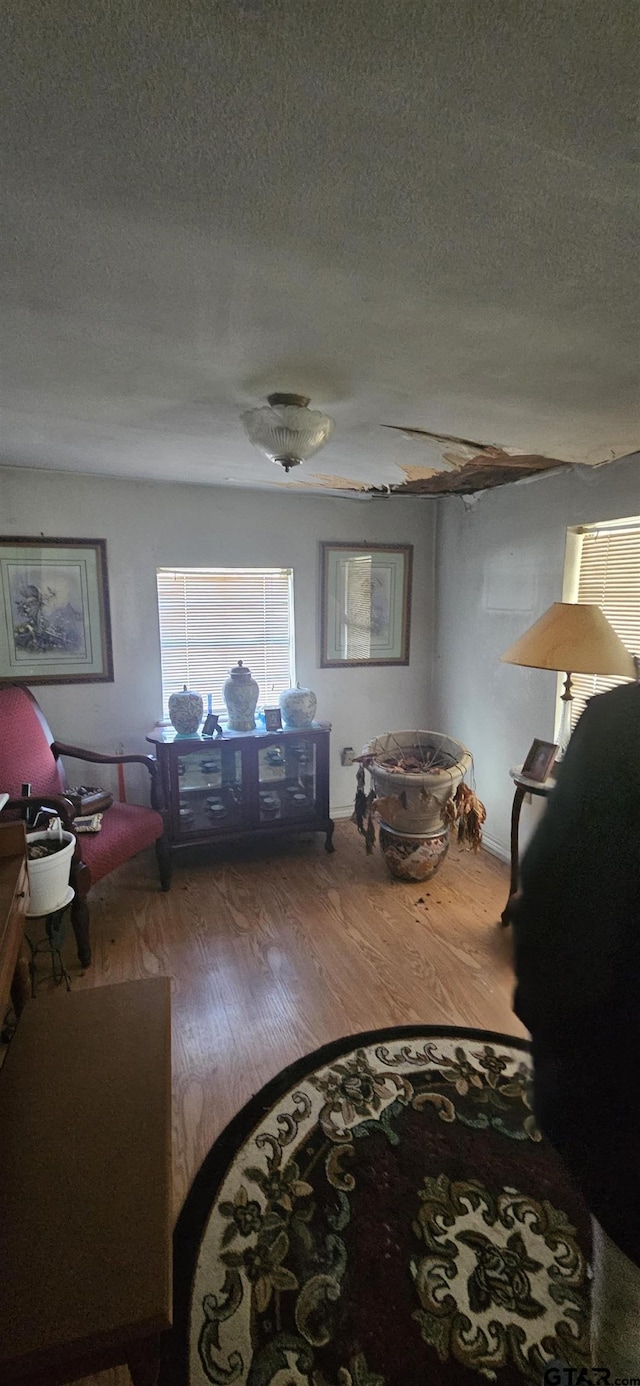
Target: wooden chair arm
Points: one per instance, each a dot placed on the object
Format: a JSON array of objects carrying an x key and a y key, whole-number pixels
[
  {"x": 60, "y": 748},
  {"x": 150, "y": 763},
  {"x": 58, "y": 802}
]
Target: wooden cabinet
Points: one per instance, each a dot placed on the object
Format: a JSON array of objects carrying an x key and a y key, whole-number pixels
[
  {"x": 244, "y": 784},
  {"x": 14, "y": 893}
]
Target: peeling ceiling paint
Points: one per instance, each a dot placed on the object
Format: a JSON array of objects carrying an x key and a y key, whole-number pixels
[
  {"x": 208, "y": 201},
  {"x": 330, "y": 483},
  {"x": 477, "y": 475},
  {"x": 468, "y": 466}
]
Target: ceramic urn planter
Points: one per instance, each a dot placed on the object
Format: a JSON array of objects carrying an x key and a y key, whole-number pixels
[
  {"x": 414, "y": 832},
  {"x": 298, "y": 707},
  {"x": 413, "y": 857},
  {"x": 240, "y": 692},
  {"x": 185, "y": 711}
]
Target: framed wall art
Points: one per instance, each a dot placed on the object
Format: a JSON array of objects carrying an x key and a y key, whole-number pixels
[
  {"x": 366, "y": 604},
  {"x": 54, "y": 611}
]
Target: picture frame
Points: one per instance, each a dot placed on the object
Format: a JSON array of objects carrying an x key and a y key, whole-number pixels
[
  {"x": 365, "y": 609},
  {"x": 539, "y": 760},
  {"x": 55, "y": 624},
  {"x": 273, "y": 719}
]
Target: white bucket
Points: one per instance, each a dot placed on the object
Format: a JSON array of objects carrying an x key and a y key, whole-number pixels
[{"x": 49, "y": 876}]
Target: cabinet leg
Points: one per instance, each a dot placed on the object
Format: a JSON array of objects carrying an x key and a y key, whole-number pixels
[{"x": 328, "y": 842}]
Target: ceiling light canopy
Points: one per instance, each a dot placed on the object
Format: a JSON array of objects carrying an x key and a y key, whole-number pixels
[{"x": 286, "y": 430}]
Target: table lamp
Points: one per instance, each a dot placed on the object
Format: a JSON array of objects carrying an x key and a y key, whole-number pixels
[{"x": 572, "y": 638}]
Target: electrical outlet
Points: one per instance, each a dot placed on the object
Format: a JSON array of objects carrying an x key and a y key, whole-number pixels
[{"x": 346, "y": 755}]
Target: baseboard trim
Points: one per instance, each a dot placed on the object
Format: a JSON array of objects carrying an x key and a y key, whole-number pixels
[
  {"x": 496, "y": 848},
  {"x": 344, "y": 812}
]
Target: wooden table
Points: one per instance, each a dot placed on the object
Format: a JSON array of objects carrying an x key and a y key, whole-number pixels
[
  {"x": 523, "y": 786},
  {"x": 85, "y": 1185}
]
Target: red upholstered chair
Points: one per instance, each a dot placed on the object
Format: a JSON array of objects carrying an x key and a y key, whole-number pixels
[{"x": 29, "y": 755}]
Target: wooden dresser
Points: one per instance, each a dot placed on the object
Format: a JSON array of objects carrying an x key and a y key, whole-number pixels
[{"x": 14, "y": 893}]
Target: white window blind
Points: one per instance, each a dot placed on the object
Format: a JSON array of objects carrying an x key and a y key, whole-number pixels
[
  {"x": 610, "y": 578},
  {"x": 212, "y": 617}
]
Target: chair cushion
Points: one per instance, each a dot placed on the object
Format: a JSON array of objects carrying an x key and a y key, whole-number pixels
[
  {"x": 25, "y": 754},
  {"x": 126, "y": 829}
]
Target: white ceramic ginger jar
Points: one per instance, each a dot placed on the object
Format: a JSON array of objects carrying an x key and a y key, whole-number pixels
[
  {"x": 298, "y": 706},
  {"x": 240, "y": 692},
  {"x": 185, "y": 711}
]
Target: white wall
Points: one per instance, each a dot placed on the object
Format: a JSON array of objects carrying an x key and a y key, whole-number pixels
[
  {"x": 149, "y": 525},
  {"x": 499, "y": 566}
]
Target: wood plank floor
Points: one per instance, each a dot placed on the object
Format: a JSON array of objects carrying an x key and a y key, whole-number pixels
[{"x": 273, "y": 952}]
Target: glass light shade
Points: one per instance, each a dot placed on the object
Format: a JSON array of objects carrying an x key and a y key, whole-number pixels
[{"x": 286, "y": 430}]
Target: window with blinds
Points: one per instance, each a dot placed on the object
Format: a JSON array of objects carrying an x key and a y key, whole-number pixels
[
  {"x": 609, "y": 576},
  {"x": 212, "y": 617}
]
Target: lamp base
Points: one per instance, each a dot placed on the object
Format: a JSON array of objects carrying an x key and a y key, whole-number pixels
[{"x": 564, "y": 730}]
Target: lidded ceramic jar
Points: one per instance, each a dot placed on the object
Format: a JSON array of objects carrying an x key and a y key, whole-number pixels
[
  {"x": 185, "y": 711},
  {"x": 298, "y": 706},
  {"x": 240, "y": 693}
]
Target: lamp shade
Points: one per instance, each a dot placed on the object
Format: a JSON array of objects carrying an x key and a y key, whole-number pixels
[{"x": 573, "y": 637}]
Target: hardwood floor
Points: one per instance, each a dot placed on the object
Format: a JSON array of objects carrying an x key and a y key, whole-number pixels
[{"x": 273, "y": 953}]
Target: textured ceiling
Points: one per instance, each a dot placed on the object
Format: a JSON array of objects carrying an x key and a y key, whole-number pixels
[{"x": 420, "y": 214}]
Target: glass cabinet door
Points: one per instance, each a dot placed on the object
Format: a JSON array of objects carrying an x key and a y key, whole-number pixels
[
  {"x": 210, "y": 789},
  {"x": 287, "y": 780}
]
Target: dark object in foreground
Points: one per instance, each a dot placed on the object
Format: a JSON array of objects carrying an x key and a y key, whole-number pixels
[{"x": 577, "y": 953}]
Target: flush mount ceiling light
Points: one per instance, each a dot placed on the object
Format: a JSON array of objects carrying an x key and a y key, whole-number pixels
[{"x": 286, "y": 430}]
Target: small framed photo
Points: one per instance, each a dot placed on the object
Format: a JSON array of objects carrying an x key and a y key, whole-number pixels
[
  {"x": 540, "y": 760},
  {"x": 273, "y": 719}
]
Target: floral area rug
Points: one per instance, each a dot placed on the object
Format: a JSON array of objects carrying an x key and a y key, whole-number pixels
[{"x": 384, "y": 1213}]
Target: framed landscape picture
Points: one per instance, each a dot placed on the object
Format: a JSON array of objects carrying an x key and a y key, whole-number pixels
[
  {"x": 54, "y": 611},
  {"x": 366, "y": 604}
]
